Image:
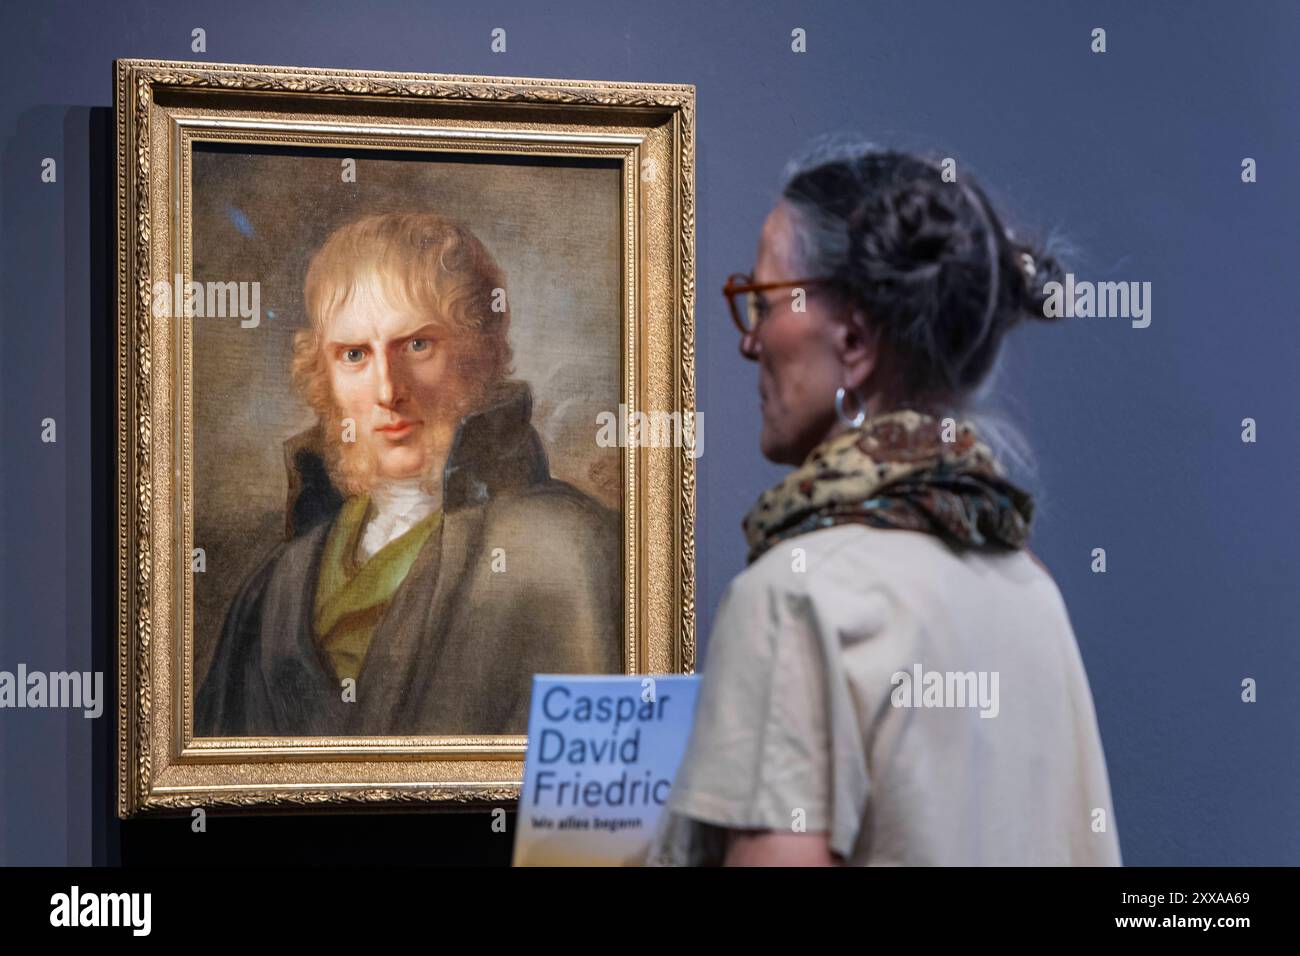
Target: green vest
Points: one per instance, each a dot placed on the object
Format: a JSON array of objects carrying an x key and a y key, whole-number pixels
[{"x": 351, "y": 600}]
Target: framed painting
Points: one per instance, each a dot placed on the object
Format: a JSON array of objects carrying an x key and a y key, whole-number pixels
[{"x": 379, "y": 339}]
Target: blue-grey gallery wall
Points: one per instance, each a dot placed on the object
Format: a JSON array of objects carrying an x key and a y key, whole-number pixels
[{"x": 1133, "y": 155}]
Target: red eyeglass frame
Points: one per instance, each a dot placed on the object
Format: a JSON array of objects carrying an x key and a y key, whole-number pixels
[{"x": 733, "y": 288}]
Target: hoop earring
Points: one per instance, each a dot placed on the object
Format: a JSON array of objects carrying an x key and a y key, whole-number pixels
[{"x": 857, "y": 420}]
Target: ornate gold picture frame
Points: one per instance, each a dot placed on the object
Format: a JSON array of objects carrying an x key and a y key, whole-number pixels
[{"x": 573, "y": 202}]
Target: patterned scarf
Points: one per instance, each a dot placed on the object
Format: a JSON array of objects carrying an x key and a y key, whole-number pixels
[{"x": 896, "y": 471}]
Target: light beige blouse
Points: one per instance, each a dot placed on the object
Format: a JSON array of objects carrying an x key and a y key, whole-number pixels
[{"x": 922, "y": 707}]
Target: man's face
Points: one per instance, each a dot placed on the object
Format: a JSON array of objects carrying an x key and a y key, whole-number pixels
[{"x": 393, "y": 373}]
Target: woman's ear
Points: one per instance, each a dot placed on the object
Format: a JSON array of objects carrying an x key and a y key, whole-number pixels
[{"x": 859, "y": 347}]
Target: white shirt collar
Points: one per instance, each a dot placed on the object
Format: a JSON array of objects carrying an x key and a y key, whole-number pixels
[{"x": 397, "y": 506}]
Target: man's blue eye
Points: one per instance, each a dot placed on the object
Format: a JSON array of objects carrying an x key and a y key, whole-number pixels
[
  {"x": 420, "y": 345},
  {"x": 354, "y": 355}
]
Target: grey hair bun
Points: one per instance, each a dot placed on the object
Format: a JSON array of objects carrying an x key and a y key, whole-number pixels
[{"x": 926, "y": 260}]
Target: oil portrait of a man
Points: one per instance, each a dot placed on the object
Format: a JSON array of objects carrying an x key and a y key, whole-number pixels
[{"x": 431, "y": 562}]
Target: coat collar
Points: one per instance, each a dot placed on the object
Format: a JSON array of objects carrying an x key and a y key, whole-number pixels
[{"x": 495, "y": 448}]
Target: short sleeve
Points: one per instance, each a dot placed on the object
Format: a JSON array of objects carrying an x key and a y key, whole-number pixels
[{"x": 763, "y": 750}]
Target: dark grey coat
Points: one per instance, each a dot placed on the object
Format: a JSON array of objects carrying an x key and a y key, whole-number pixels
[{"x": 459, "y": 643}]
